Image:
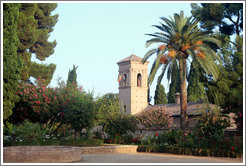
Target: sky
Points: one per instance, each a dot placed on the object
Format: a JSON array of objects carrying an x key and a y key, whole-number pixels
[{"x": 95, "y": 36}]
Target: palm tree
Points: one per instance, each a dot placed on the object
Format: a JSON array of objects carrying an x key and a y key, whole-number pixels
[{"x": 180, "y": 41}]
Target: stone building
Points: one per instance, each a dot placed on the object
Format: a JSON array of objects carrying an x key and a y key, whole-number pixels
[{"x": 133, "y": 88}]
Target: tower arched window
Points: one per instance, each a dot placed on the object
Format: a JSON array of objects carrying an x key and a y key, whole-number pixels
[
  {"x": 125, "y": 80},
  {"x": 139, "y": 80}
]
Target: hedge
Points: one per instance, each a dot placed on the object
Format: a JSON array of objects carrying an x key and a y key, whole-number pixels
[
  {"x": 188, "y": 151},
  {"x": 88, "y": 142}
]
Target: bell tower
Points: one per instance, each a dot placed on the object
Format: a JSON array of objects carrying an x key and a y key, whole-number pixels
[{"x": 133, "y": 85}]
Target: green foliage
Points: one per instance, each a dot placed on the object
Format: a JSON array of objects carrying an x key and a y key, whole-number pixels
[
  {"x": 155, "y": 118},
  {"x": 51, "y": 142},
  {"x": 181, "y": 39},
  {"x": 174, "y": 86},
  {"x": 79, "y": 110},
  {"x": 27, "y": 131},
  {"x": 38, "y": 103},
  {"x": 211, "y": 124},
  {"x": 66, "y": 105},
  {"x": 195, "y": 90},
  {"x": 160, "y": 95},
  {"x": 229, "y": 87},
  {"x": 43, "y": 71},
  {"x": 108, "y": 106},
  {"x": 34, "y": 27},
  {"x": 82, "y": 142},
  {"x": 190, "y": 143},
  {"x": 171, "y": 137},
  {"x": 72, "y": 75},
  {"x": 120, "y": 124},
  {"x": 11, "y": 62},
  {"x": 188, "y": 151},
  {"x": 227, "y": 16}
]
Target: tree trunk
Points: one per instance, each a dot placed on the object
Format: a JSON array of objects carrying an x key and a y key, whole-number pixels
[{"x": 183, "y": 94}]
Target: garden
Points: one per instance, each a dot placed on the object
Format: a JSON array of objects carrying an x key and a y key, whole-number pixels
[
  {"x": 68, "y": 116},
  {"x": 35, "y": 114}
]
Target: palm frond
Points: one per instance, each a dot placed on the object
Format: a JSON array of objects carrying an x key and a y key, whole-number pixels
[
  {"x": 149, "y": 54},
  {"x": 156, "y": 65},
  {"x": 154, "y": 40}
]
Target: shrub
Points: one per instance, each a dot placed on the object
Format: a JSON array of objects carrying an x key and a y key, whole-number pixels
[
  {"x": 82, "y": 142},
  {"x": 156, "y": 118},
  {"x": 27, "y": 131},
  {"x": 210, "y": 126},
  {"x": 120, "y": 124}
]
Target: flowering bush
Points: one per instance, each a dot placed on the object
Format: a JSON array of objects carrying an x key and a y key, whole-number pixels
[
  {"x": 124, "y": 139},
  {"x": 37, "y": 103},
  {"x": 78, "y": 108},
  {"x": 156, "y": 118},
  {"x": 65, "y": 105}
]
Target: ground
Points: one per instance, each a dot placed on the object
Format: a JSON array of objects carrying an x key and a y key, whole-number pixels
[{"x": 153, "y": 158}]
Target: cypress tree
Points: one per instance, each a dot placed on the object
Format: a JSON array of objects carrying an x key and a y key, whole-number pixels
[
  {"x": 34, "y": 27},
  {"x": 174, "y": 86},
  {"x": 72, "y": 75},
  {"x": 11, "y": 62},
  {"x": 160, "y": 95},
  {"x": 195, "y": 90}
]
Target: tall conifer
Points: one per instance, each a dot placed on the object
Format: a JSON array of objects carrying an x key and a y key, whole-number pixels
[
  {"x": 72, "y": 75},
  {"x": 195, "y": 90},
  {"x": 11, "y": 62},
  {"x": 160, "y": 95},
  {"x": 174, "y": 86}
]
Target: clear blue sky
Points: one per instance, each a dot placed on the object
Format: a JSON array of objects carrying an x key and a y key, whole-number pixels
[{"x": 95, "y": 36}]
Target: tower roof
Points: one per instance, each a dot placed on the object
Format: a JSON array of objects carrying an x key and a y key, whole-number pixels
[{"x": 133, "y": 57}]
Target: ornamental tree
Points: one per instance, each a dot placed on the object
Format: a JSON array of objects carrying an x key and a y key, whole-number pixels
[
  {"x": 156, "y": 118},
  {"x": 38, "y": 103},
  {"x": 78, "y": 108}
]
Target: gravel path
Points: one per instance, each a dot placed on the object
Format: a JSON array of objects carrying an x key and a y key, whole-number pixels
[{"x": 153, "y": 158}]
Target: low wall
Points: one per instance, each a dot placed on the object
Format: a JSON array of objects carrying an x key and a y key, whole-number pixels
[
  {"x": 109, "y": 149},
  {"x": 41, "y": 154}
]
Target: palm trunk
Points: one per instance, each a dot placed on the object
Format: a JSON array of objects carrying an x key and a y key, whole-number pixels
[{"x": 183, "y": 94}]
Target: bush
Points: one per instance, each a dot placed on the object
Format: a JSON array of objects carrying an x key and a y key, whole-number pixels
[
  {"x": 156, "y": 118},
  {"x": 87, "y": 142},
  {"x": 121, "y": 124},
  {"x": 25, "y": 132},
  {"x": 38, "y": 143},
  {"x": 82, "y": 142}
]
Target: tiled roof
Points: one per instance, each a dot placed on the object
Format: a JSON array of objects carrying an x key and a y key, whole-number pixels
[
  {"x": 193, "y": 108},
  {"x": 133, "y": 57}
]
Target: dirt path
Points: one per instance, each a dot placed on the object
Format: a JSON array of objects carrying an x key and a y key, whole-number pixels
[{"x": 153, "y": 158}]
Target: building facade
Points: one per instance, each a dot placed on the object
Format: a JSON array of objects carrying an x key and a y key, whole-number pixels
[{"x": 133, "y": 87}]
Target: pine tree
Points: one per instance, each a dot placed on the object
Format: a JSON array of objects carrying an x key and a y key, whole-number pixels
[
  {"x": 34, "y": 27},
  {"x": 228, "y": 18},
  {"x": 160, "y": 95},
  {"x": 72, "y": 75},
  {"x": 11, "y": 62},
  {"x": 174, "y": 86},
  {"x": 195, "y": 90}
]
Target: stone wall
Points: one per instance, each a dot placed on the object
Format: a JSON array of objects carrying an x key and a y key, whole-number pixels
[{"x": 41, "y": 154}]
